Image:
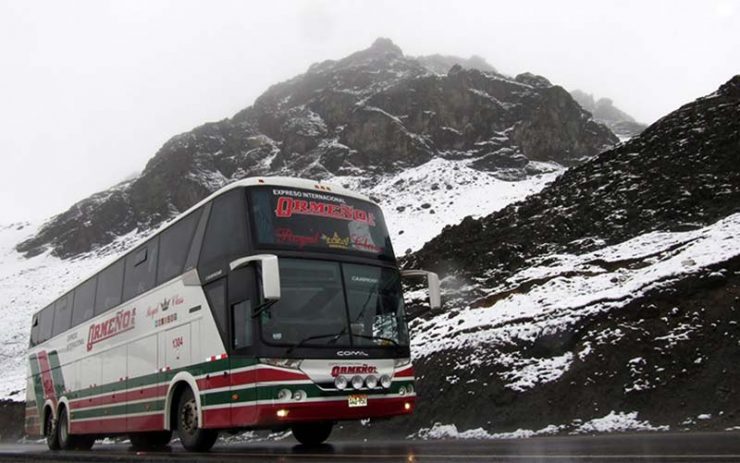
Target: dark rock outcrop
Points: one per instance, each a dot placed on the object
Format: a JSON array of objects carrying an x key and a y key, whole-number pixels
[{"x": 682, "y": 172}]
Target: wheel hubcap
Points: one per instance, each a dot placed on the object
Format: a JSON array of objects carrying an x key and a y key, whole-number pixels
[{"x": 189, "y": 417}]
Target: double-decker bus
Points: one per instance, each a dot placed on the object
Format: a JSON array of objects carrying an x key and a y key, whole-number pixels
[{"x": 275, "y": 303}]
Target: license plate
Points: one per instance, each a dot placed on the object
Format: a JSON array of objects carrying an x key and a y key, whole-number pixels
[{"x": 357, "y": 401}]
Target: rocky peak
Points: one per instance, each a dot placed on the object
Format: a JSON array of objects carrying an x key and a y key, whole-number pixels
[
  {"x": 370, "y": 114},
  {"x": 383, "y": 45}
]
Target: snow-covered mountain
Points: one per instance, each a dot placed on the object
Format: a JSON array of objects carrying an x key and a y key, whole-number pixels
[
  {"x": 367, "y": 116},
  {"x": 610, "y": 295}
]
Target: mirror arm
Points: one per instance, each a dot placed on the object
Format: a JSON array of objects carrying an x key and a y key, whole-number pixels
[
  {"x": 435, "y": 297},
  {"x": 270, "y": 273}
]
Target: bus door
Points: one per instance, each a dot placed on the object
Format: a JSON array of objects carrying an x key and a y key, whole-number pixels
[{"x": 242, "y": 294}]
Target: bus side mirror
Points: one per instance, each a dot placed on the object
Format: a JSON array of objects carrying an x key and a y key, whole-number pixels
[
  {"x": 270, "y": 273},
  {"x": 435, "y": 298}
]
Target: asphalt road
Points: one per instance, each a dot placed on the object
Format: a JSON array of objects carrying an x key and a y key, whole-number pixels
[{"x": 654, "y": 447}]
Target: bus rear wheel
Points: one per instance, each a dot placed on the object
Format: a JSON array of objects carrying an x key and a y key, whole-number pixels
[
  {"x": 50, "y": 431},
  {"x": 192, "y": 436},
  {"x": 150, "y": 440},
  {"x": 311, "y": 434},
  {"x": 67, "y": 441}
]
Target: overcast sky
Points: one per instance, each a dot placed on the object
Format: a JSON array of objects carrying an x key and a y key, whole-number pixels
[{"x": 89, "y": 90}]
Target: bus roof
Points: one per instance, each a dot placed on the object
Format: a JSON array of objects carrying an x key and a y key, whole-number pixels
[{"x": 290, "y": 182}]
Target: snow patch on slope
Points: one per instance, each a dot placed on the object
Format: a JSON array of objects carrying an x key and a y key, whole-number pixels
[
  {"x": 550, "y": 296},
  {"x": 27, "y": 285},
  {"x": 419, "y": 202}
]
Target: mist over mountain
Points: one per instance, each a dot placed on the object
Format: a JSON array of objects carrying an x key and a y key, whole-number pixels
[
  {"x": 604, "y": 111},
  {"x": 371, "y": 114}
]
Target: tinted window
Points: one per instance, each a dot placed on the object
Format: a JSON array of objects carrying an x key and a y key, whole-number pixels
[
  {"x": 46, "y": 323},
  {"x": 216, "y": 295},
  {"x": 63, "y": 313},
  {"x": 174, "y": 244},
  {"x": 225, "y": 234},
  {"x": 110, "y": 282},
  {"x": 141, "y": 270},
  {"x": 299, "y": 219},
  {"x": 35, "y": 330},
  {"x": 84, "y": 302}
]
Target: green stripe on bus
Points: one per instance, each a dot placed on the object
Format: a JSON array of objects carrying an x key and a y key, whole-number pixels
[
  {"x": 56, "y": 373},
  {"x": 122, "y": 409}
]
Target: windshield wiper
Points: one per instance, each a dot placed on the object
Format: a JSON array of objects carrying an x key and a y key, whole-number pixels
[{"x": 311, "y": 338}]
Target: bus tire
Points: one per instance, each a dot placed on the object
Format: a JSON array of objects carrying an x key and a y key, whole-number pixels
[
  {"x": 50, "y": 431},
  {"x": 192, "y": 436},
  {"x": 65, "y": 440},
  {"x": 312, "y": 434},
  {"x": 150, "y": 440}
]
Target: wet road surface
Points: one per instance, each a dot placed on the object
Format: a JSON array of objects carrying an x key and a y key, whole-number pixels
[{"x": 644, "y": 447}]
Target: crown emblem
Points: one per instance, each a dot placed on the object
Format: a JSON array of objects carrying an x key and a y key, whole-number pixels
[
  {"x": 336, "y": 241},
  {"x": 164, "y": 305}
]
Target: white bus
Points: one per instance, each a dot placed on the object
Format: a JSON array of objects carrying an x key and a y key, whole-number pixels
[{"x": 275, "y": 303}]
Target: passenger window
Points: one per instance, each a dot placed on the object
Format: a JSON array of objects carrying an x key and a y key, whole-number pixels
[
  {"x": 226, "y": 231},
  {"x": 62, "y": 313},
  {"x": 174, "y": 244},
  {"x": 46, "y": 323},
  {"x": 141, "y": 270},
  {"x": 84, "y": 302},
  {"x": 110, "y": 283}
]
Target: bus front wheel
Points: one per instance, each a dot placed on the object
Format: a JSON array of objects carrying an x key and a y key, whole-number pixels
[
  {"x": 193, "y": 437},
  {"x": 311, "y": 434}
]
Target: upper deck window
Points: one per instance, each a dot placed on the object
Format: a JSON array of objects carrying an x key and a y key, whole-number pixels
[{"x": 289, "y": 218}]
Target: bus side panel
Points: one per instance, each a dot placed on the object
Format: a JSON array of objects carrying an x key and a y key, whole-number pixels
[
  {"x": 108, "y": 415},
  {"x": 89, "y": 376},
  {"x": 145, "y": 389}
]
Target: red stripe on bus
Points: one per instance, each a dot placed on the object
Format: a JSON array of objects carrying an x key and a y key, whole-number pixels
[
  {"x": 152, "y": 392},
  {"x": 405, "y": 373},
  {"x": 46, "y": 379},
  {"x": 270, "y": 374},
  {"x": 118, "y": 424},
  {"x": 247, "y": 377}
]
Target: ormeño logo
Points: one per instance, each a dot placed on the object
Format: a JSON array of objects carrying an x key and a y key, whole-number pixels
[
  {"x": 121, "y": 322},
  {"x": 363, "y": 369}
]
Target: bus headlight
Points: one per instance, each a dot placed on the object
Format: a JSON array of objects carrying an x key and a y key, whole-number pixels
[
  {"x": 402, "y": 391},
  {"x": 357, "y": 382},
  {"x": 385, "y": 381},
  {"x": 285, "y": 394},
  {"x": 299, "y": 395},
  {"x": 340, "y": 382},
  {"x": 410, "y": 389},
  {"x": 371, "y": 381}
]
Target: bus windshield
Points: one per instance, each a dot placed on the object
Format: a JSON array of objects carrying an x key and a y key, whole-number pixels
[
  {"x": 295, "y": 219},
  {"x": 326, "y": 303}
]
